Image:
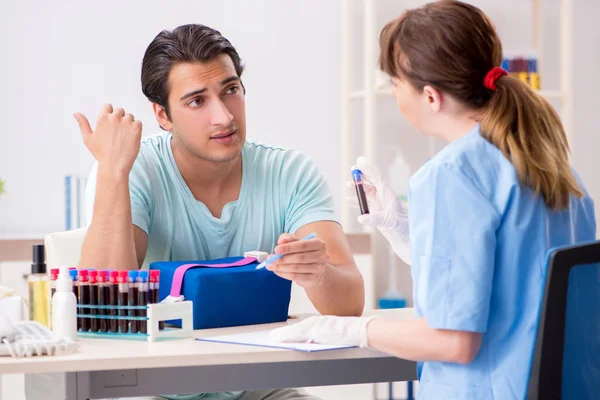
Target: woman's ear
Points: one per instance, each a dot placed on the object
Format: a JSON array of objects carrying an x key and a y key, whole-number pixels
[{"x": 432, "y": 97}]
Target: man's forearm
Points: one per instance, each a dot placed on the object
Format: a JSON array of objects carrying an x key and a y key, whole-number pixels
[
  {"x": 340, "y": 292},
  {"x": 109, "y": 240}
]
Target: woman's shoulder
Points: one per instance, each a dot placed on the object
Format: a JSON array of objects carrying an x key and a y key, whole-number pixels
[{"x": 474, "y": 163}]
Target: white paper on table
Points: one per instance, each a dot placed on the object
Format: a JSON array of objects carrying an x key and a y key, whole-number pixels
[{"x": 261, "y": 339}]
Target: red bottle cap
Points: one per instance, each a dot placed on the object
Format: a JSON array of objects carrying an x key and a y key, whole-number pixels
[
  {"x": 93, "y": 276},
  {"x": 83, "y": 275},
  {"x": 122, "y": 276},
  {"x": 54, "y": 274},
  {"x": 154, "y": 275}
]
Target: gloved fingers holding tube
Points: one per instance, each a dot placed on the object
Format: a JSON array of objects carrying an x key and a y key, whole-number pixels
[
  {"x": 380, "y": 207},
  {"x": 370, "y": 192}
]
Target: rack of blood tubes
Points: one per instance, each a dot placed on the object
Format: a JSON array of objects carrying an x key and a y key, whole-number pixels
[{"x": 125, "y": 304}]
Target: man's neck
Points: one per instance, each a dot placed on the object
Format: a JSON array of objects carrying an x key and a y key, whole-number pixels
[{"x": 213, "y": 183}]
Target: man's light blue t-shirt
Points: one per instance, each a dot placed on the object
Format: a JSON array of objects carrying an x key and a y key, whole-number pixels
[{"x": 282, "y": 190}]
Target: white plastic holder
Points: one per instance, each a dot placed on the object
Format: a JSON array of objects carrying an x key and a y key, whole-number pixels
[{"x": 168, "y": 311}]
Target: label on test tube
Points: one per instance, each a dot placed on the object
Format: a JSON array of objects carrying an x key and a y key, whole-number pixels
[
  {"x": 133, "y": 301},
  {"x": 73, "y": 273},
  {"x": 103, "y": 299},
  {"x": 113, "y": 300},
  {"x": 94, "y": 322},
  {"x": 143, "y": 298},
  {"x": 123, "y": 301},
  {"x": 154, "y": 288},
  {"x": 53, "y": 278},
  {"x": 84, "y": 299}
]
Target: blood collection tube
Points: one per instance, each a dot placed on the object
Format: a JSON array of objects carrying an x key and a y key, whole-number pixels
[
  {"x": 73, "y": 273},
  {"x": 521, "y": 65},
  {"x": 143, "y": 298},
  {"x": 103, "y": 299},
  {"x": 154, "y": 287},
  {"x": 123, "y": 301},
  {"x": 512, "y": 67},
  {"x": 113, "y": 300},
  {"x": 133, "y": 301},
  {"x": 94, "y": 325},
  {"x": 534, "y": 77},
  {"x": 53, "y": 278},
  {"x": 360, "y": 191},
  {"x": 84, "y": 299}
]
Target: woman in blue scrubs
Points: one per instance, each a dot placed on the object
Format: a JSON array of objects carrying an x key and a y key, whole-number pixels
[{"x": 483, "y": 213}]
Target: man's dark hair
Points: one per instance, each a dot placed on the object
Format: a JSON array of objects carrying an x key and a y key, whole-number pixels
[{"x": 186, "y": 43}]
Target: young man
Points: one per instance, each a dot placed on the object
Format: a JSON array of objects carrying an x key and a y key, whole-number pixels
[{"x": 200, "y": 191}]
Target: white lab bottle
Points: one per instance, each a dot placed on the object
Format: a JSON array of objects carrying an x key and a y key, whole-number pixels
[
  {"x": 64, "y": 306},
  {"x": 399, "y": 175}
]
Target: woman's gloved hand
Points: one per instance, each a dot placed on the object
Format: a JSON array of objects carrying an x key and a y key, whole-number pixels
[
  {"x": 350, "y": 331},
  {"x": 386, "y": 211}
]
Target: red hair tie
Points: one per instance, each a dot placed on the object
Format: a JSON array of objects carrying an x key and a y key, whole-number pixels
[{"x": 491, "y": 77}]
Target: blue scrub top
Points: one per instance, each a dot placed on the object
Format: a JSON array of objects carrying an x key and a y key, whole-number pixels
[{"x": 479, "y": 241}]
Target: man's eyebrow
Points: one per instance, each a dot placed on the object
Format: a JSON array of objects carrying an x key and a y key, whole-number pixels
[
  {"x": 200, "y": 91},
  {"x": 229, "y": 80},
  {"x": 192, "y": 94}
]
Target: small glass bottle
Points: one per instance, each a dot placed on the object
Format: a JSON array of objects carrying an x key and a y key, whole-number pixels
[{"x": 39, "y": 288}]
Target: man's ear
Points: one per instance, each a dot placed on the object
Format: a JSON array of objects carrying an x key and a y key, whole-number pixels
[
  {"x": 433, "y": 98},
  {"x": 161, "y": 116}
]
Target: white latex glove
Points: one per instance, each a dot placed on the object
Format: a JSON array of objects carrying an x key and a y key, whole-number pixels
[
  {"x": 7, "y": 329},
  {"x": 386, "y": 211},
  {"x": 350, "y": 331}
]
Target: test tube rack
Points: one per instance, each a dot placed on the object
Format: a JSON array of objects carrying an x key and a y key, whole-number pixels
[{"x": 155, "y": 313}]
